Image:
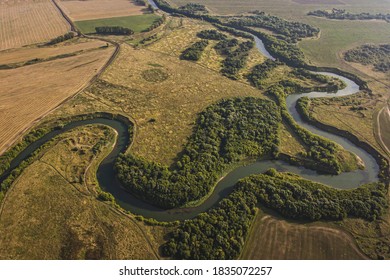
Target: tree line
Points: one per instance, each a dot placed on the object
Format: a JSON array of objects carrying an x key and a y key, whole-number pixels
[
  {"x": 225, "y": 133},
  {"x": 194, "y": 52},
  {"x": 342, "y": 14},
  {"x": 220, "y": 232},
  {"x": 113, "y": 30}
]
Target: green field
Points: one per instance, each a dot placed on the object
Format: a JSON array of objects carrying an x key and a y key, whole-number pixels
[{"x": 136, "y": 23}]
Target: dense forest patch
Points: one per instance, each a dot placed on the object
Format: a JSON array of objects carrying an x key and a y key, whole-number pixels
[
  {"x": 378, "y": 56},
  {"x": 225, "y": 133},
  {"x": 220, "y": 233},
  {"x": 195, "y": 51}
]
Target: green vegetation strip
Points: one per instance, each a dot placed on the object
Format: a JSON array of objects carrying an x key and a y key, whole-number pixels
[
  {"x": 136, "y": 23},
  {"x": 220, "y": 233},
  {"x": 225, "y": 133},
  {"x": 378, "y": 56}
]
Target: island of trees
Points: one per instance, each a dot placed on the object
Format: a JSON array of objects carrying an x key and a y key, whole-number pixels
[
  {"x": 342, "y": 14},
  {"x": 378, "y": 56}
]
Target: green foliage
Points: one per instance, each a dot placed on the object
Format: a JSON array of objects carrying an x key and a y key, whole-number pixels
[
  {"x": 342, "y": 14},
  {"x": 193, "y": 8},
  {"x": 211, "y": 35},
  {"x": 220, "y": 232},
  {"x": 224, "y": 134},
  {"x": 105, "y": 196},
  {"x": 113, "y": 30},
  {"x": 236, "y": 55},
  {"x": 293, "y": 31},
  {"x": 321, "y": 151},
  {"x": 61, "y": 38},
  {"x": 156, "y": 23},
  {"x": 261, "y": 72},
  {"x": 195, "y": 51},
  {"x": 379, "y": 56}
]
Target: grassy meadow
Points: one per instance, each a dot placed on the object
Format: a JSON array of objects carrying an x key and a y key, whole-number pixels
[{"x": 136, "y": 23}]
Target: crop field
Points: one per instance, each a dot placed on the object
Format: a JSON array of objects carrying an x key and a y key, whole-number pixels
[
  {"x": 29, "y": 22},
  {"x": 30, "y": 53},
  {"x": 136, "y": 23},
  {"x": 93, "y": 9},
  {"x": 49, "y": 214},
  {"x": 30, "y": 92},
  {"x": 273, "y": 238}
]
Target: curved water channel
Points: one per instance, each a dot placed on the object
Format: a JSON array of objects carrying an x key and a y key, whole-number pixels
[{"x": 108, "y": 182}]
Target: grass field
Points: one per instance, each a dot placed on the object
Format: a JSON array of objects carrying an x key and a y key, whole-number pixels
[
  {"x": 384, "y": 129},
  {"x": 49, "y": 215},
  {"x": 29, "y": 22},
  {"x": 93, "y": 9},
  {"x": 276, "y": 239},
  {"x": 136, "y": 23},
  {"x": 30, "y": 92}
]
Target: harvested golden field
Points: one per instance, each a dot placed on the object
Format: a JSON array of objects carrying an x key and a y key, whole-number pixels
[
  {"x": 49, "y": 215},
  {"x": 93, "y": 9},
  {"x": 164, "y": 110},
  {"x": 273, "y": 238},
  {"x": 30, "y": 92},
  {"x": 29, "y": 53},
  {"x": 28, "y": 22}
]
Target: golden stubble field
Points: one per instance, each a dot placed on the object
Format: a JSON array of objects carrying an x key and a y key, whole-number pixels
[
  {"x": 28, "y": 53},
  {"x": 30, "y": 92},
  {"x": 28, "y": 22},
  {"x": 276, "y": 239},
  {"x": 94, "y": 9}
]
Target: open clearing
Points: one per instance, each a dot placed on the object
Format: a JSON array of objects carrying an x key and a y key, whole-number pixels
[
  {"x": 93, "y": 9},
  {"x": 48, "y": 214},
  {"x": 173, "y": 103},
  {"x": 135, "y": 23},
  {"x": 272, "y": 238},
  {"x": 384, "y": 127},
  {"x": 28, "y": 22},
  {"x": 30, "y": 92}
]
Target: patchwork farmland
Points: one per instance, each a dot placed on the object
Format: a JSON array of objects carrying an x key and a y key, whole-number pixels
[{"x": 29, "y": 22}]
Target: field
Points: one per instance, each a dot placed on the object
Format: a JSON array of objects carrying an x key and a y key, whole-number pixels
[
  {"x": 30, "y": 92},
  {"x": 173, "y": 103},
  {"x": 28, "y": 22},
  {"x": 286, "y": 8},
  {"x": 93, "y": 9},
  {"x": 384, "y": 129},
  {"x": 29, "y": 53},
  {"x": 276, "y": 239},
  {"x": 51, "y": 214},
  {"x": 136, "y": 23}
]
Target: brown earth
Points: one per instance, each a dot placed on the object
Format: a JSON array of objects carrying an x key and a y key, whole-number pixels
[
  {"x": 28, "y": 22},
  {"x": 273, "y": 238},
  {"x": 94, "y": 9},
  {"x": 30, "y": 92}
]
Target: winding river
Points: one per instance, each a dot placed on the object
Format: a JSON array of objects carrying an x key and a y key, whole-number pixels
[{"x": 108, "y": 182}]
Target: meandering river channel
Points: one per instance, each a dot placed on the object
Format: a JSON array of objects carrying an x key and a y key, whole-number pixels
[{"x": 108, "y": 182}]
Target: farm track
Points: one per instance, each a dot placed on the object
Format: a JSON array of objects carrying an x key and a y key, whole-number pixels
[{"x": 90, "y": 82}]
